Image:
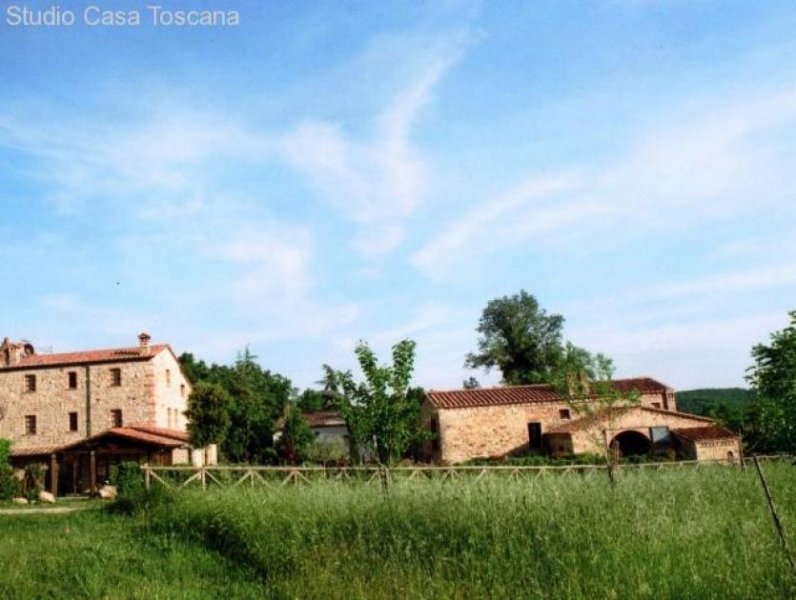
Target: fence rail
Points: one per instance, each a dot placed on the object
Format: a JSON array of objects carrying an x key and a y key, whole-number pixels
[{"x": 232, "y": 476}]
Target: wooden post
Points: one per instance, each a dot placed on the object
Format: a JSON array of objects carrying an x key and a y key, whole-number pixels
[
  {"x": 53, "y": 475},
  {"x": 93, "y": 472},
  {"x": 147, "y": 476},
  {"x": 774, "y": 515}
]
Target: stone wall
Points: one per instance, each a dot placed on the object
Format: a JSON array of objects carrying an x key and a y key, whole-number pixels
[
  {"x": 53, "y": 400},
  {"x": 488, "y": 431},
  {"x": 171, "y": 390}
]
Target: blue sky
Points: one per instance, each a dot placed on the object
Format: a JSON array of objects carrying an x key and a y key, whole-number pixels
[{"x": 333, "y": 171}]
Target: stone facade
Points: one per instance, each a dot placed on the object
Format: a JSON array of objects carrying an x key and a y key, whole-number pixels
[
  {"x": 73, "y": 396},
  {"x": 496, "y": 422}
]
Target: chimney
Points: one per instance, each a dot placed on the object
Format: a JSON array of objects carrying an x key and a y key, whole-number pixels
[
  {"x": 11, "y": 353},
  {"x": 143, "y": 340}
]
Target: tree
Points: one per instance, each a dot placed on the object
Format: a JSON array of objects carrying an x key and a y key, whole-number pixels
[
  {"x": 208, "y": 414},
  {"x": 773, "y": 377},
  {"x": 471, "y": 383},
  {"x": 379, "y": 411},
  {"x": 294, "y": 445},
  {"x": 520, "y": 338},
  {"x": 258, "y": 396},
  {"x": 586, "y": 383}
]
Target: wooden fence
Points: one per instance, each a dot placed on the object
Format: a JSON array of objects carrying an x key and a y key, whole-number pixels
[{"x": 228, "y": 476}]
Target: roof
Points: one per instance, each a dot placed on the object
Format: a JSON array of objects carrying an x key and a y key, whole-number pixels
[
  {"x": 529, "y": 394},
  {"x": 34, "y": 450},
  {"x": 324, "y": 418},
  {"x": 174, "y": 434},
  {"x": 318, "y": 418},
  {"x": 88, "y": 357},
  {"x": 133, "y": 434},
  {"x": 589, "y": 421},
  {"x": 702, "y": 434}
]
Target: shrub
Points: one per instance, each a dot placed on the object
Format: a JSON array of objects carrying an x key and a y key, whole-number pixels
[
  {"x": 127, "y": 478},
  {"x": 34, "y": 481}
]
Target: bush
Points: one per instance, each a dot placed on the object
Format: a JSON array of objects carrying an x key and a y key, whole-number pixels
[
  {"x": 9, "y": 484},
  {"x": 34, "y": 481},
  {"x": 127, "y": 478}
]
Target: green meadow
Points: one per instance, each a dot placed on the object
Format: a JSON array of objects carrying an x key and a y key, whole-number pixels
[{"x": 676, "y": 534}]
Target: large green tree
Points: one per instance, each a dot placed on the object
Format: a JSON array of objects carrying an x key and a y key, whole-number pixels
[
  {"x": 258, "y": 396},
  {"x": 208, "y": 414},
  {"x": 295, "y": 443},
  {"x": 773, "y": 378},
  {"x": 380, "y": 411},
  {"x": 521, "y": 339}
]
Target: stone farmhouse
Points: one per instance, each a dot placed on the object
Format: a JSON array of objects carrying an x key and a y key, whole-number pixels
[
  {"x": 79, "y": 413},
  {"x": 501, "y": 421}
]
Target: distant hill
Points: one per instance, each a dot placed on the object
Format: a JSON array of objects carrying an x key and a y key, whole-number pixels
[{"x": 704, "y": 401}]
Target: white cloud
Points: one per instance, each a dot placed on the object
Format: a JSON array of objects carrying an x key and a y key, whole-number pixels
[
  {"x": 379, "y": 182},
  {"x": 715, "y": 164}
]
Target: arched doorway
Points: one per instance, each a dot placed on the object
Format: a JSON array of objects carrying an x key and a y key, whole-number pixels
[{"x": 631, "y": 442}]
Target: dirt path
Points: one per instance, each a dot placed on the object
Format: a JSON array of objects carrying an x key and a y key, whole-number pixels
[{"x": 54, "y": 510}]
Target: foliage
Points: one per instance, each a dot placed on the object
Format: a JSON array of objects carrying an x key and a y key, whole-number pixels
[
  {"x": 553, "y": 536},
  {"x": 329, "y": 452},
  {"x": 259, "y": 397},
  {"x": 129, "y": 479},
  {"x": 33, "y": 483},
  {"x": 773, "y": 377},
  {"x": 380, "y": 411},
  {"x": 521, "y": 339},
  {"x": 9, "y": 484},
  {"x": 471, "y": 383},
  {"x": 208, "y": 414},
  {"x": 294, "y": 444},
  {"x": 730, "y": 407}
]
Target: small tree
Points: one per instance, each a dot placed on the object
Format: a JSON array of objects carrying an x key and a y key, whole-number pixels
[
  {"x": 377, "y": 410},
  {"x": 9, "y": 484},
  {"x": 586, "y": 383},
  {"x": 773, "y": 377},
  {"x": 208, "y": 414},
  {"x": 297, "y": 437}
]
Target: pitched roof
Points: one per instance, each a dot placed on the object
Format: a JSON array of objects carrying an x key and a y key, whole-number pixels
[
  {"x": 528, "y": 394},
  {"x": 707, "y": 433},
  {"x": 87, "y": 357},
  {"x": 130, "y": 433},
  {"x": 34, "y": 450},
  {"x": 324, "y": 418},
  {"x": 174, "y": 434},
  {"x": 606, "y": 414}
]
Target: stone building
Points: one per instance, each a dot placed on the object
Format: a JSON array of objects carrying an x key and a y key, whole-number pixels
[
  {"x": 84, "y": 411},
  {"x": 501, "y": 421}
]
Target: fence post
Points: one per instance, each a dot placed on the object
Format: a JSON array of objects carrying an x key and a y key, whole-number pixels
[
  {"x": 147, "y": 476},
  {"x": 774, "y": 516}
]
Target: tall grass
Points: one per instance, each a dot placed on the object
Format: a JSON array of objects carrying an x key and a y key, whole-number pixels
[{"x": 678, "y": 534}]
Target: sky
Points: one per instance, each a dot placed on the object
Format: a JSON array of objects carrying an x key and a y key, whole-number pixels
[{"x": 328, "y": 172}]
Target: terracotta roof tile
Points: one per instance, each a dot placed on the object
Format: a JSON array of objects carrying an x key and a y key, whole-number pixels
[
  {"x": 701, "y": 434},
  {"x": 526, "y": 394},
  {"x": 590, "y": 420},
  {"x": 34, "y": 450},
  {"x": 324, "y": 418},
  {"x": 130, "y": 434},
  {"x": 175, "y": 434},
  {"x": 88, "y": 356}
]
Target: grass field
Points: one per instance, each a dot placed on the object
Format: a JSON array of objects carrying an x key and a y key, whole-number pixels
[{"x": 678, "y": 534}]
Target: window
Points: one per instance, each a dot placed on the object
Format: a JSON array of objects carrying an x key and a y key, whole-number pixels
[
  {"x": 168, "y": 377},
  {"x": 72, "y": 376},
  {"x": 30, "y": 383},
  {"x": 660, "y": 435},
  {"x": 116, "y": 417},
  {"x": 564, "y": 414},
  {"x": 116, "y": 377},
  {"x": 182, "y": 390},
  {"x": 656, "y": 405},
  {"x": 30, "y": 425},
  {"x": 435, "y": 445},
  {"x": 72, "y": 421},
  {"x": 535, "y": 436}
]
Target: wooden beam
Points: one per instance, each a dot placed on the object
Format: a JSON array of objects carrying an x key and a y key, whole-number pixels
[
  {"x": 93, "y": 472},
  {"x": 53, "y": 474}
]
